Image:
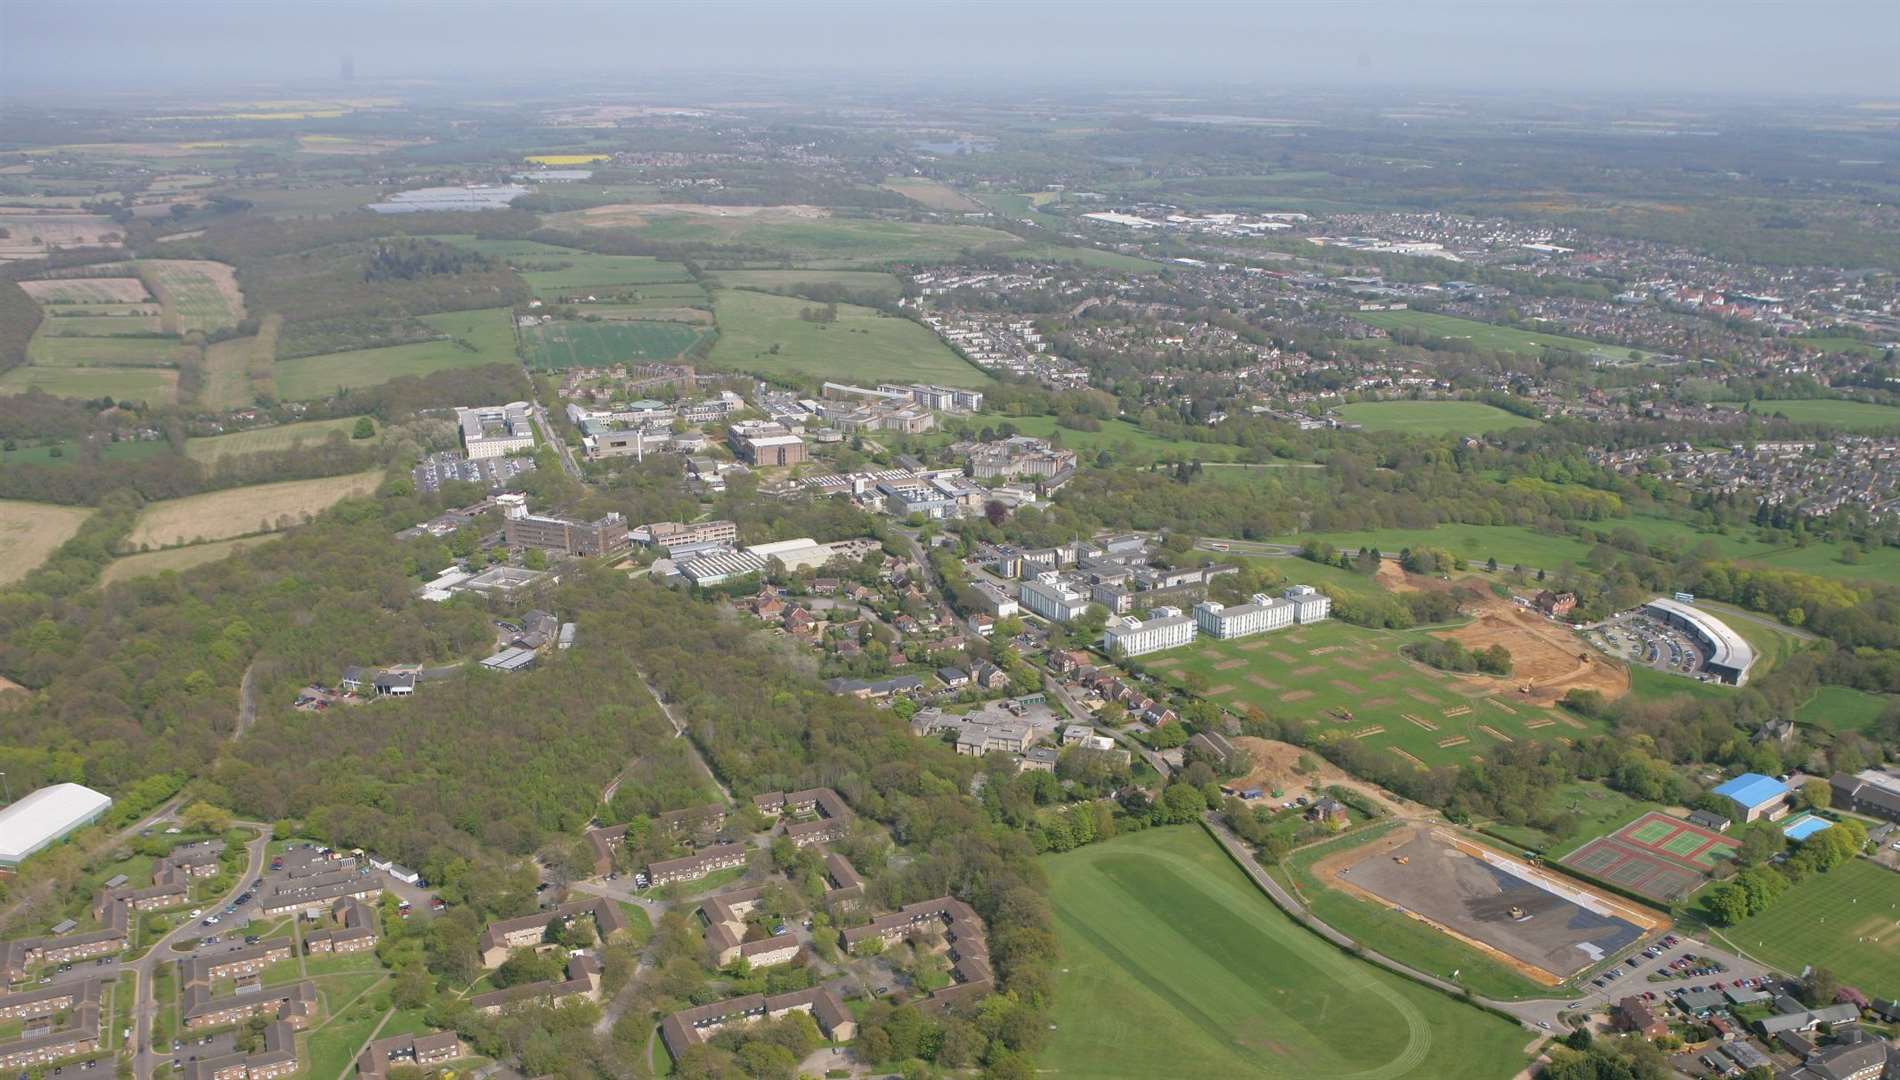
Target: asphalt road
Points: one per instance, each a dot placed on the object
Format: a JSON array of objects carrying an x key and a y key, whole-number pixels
[{"x": 145, "y": 1012}]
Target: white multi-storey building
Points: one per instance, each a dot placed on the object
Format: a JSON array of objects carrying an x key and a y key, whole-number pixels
[
  {"x": 490, "y": 431},
  {"x": 1052, "y": 598},
  {"x": 1223, "y": 621},
  {"x": 1167, "y": 629},
  {"x": 1309, "y": 604}
]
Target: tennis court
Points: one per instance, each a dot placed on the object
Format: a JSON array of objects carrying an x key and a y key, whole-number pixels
[{"x": 1656, "y": 856}]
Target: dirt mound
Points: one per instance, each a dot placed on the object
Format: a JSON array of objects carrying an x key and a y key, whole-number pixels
[
  {"x": 1273, "y": 770},
  {"x": 1545, "y": 656}
]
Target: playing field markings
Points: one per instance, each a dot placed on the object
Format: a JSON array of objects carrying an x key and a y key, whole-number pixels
[
  {"x": 1495, "y": 733},
  {"x": 1292, "y": 696},
  {"x": 1651, "y": 832},
  {"x": 1420, "y": 721},
  {"x": 1455, "y": 740},
  {"x": 1501, "y": 705},
  {"x": 1384, "y": 676},
  {"x": 1250, "y": 646},
  {"x": 1368, "y": 732},
  {"x": 1406, "y": 756},
  {"x": 1260, "y": 681},
  {"x": 1462, "y": 710},
  {"x": 1355, "y": 691},
  {"x": 1223, "y": 688},
  {"x": 1324, "y": 649},
  {"x": 1284, "y": 658},
  {"x": 1309, "y": 670},
  {"x": 1229, "y": 665},
  {"x": 1535, "y": 725},
  {"x": 1421, "y": 696},
  {"x": 1349, "y": 662}
]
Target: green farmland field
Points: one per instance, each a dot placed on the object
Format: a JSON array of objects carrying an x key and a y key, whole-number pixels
[
  {"x": 54, "y": 350},
  {"x": 1486, "y": 335},
  {"x": 282, "y": 437},
  {"x": 474, "y": 338},
  {"x": 1510, "y": 545},
  {"x": 1324, "y": 670},
  {"x": 1846, "y": 920},
  {"x": 849, "y": 240},
  {"x": 862, "y": 345},
  {"x": 594, "y": 344},
  {"x": 1845, "y": 415},
  {"x": 857, "y": 281},
  {"x": 1433, "y": 417},
  {"x": 155, "y": 386},
  {"x": 1597, "y": 810},
  {"x": 1174, "y": 964}
]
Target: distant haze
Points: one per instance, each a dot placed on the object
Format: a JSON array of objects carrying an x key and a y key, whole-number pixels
[{"x": 1733, "y": 48}]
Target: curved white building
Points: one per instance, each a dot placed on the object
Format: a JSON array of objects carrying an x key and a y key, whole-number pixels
[
  {"x": 44, "y": 816},
  {"x": 1726, "y": 655}
]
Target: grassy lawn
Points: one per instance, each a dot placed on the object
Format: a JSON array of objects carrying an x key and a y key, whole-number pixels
[
  {"x": 333, "y": 1043},
  {"x": 31, "y": 531},
  {"x": 1510, "y": 545},
  {"x": 1174, "y": 965},
  {"x": 474, "y": 338},
  {"x": 154, "y": 386},
  {"x": 282, "y": 437},
  {"x": 1486, "y": 335},
  {"x": 1648, "y": 683},
  {"x": 1747, "y": 545},
  {"x": 221, "y": 515},
  {"x": 1847, "y": 920},
  {"x": 164, "y": 991},
  {"x": 1597, "y": 809},
  {"x": 1844, "y": 415},
  {"x": 639, "y": 926},
  {"x": 1433, "y": 417},
  {"x": 1404, "y": 939},
  {"x": 861, "y": 346},
  {"x": 1842, "y": 708},
  {"x": 562, "y": 345},
  {"x": 1352, "y": 683}
]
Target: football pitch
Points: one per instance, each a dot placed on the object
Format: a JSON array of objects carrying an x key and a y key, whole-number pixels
[
  {"x": 1174, "y": 964},
  {"x": 1353, "y": 683}
]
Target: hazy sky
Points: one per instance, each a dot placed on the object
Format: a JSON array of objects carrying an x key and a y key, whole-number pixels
[{"x": 1733, "y": 47}]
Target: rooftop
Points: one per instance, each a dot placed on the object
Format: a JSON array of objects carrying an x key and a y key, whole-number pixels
[
  {"x": 46, "y": 815},
  {"x": 1753, "y": 789}
]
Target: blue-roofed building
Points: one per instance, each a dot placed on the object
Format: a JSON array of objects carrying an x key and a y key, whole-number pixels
[
  {"x": 1760, "y": 797},
  {"x": 1804, "y": 826}
]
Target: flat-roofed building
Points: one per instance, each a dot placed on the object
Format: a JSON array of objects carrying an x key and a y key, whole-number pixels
[
  {"x": 1135, "y": 637},
  {"x": 494, "y": 430},
  {"x": 584, "y": 538},
  {"x": 1053, "y": 598},
  {"x": 1225, "y": 621},
  {"x": 1309, "y": 604}
]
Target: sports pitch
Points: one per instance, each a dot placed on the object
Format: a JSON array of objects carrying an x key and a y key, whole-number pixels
[
  {"x": 1353, "y": 683},
  {"x": 1846, "y": 920},
  {"x": 1174, "y": 964},
  {"x": 1657, "y": 856}
]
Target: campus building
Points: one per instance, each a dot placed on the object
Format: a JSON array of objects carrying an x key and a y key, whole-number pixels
[
  {"x": 1225, "y": 621},
  {"x": 45, "y": 816},
  {"x": 1761, "y": 798},
  {"x": 1053, "y": 598},
  {"x": 1167, "y": 629},
  {"x": 490, "y": 431},
  {"x": 1725, "y": 655},
  {"x": 585, "y": 538}
]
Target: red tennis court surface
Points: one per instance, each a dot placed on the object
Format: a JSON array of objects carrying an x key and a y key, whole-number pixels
[{"x": 1657, "y": 856}]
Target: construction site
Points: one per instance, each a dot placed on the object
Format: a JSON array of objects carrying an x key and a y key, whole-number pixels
[{"x": 1541, "y": 924}]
